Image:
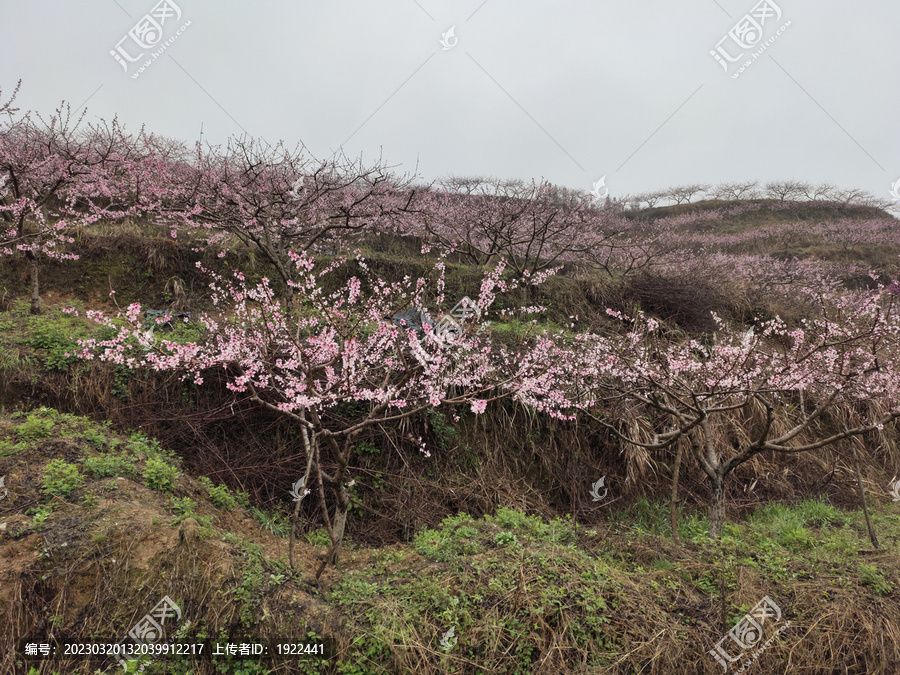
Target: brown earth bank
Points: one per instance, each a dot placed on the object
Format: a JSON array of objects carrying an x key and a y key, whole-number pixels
[{"x": 97, "y": 527}]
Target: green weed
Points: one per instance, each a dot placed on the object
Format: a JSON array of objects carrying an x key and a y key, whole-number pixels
[
  {"x": 108, "y": 465},
  {"x": 219, "y": 495},
  {"x": 61, "y": 478},
  {"x": 160, "y": 475},
  {"x": 319, "y": 537},
  {"x": 39, "y": 515},
  {"x": 871, "y": 576},
  {"x": 36, "y": 426}
]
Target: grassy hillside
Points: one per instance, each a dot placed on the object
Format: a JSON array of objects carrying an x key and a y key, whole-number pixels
[{"x": 98, "y": 525}]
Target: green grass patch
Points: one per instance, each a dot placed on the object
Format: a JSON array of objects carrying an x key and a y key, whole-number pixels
[
  {"x": 276, "y": 523},
  {"x": 480, "y": 594}
]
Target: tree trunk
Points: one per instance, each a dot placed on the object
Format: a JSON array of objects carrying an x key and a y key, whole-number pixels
[
  {"x": 35, "y": 283},
  {"x": 717, "y": 506},
  {"x": 862, "y": 496},
  {"x": 294, "y": 517},
  {"x": 716, "y": 472},
  {"x": 340, "y": 521},
  {"x": 310, "y": 444},
  {"x": 337, "y": 529}
]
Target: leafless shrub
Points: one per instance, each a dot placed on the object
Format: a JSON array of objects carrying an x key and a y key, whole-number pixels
[
  {"x": 786, "y": 190},
  {"x": 737, "y": 190},
  {"x": 685, "y": 193},
  {"x": 824, "y": 191}
]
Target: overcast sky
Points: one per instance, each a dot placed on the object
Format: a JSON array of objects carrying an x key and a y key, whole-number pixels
[{"x": 569, "y": 90}]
